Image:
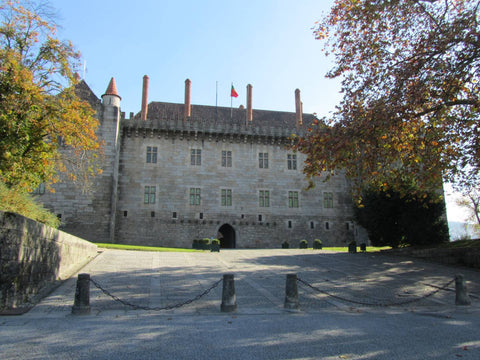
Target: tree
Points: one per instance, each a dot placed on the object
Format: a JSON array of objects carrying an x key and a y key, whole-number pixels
[
  {"x": 392, "y": 219},
  {"x": 471, "y": 201},
  {"x": 411, "y": 96},
  {"x": 44, "y": 128}
]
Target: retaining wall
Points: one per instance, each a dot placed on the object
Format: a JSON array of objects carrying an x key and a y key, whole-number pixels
[
  {"x": 454, "y": 256},
  {"x": 33, "y": 258}
]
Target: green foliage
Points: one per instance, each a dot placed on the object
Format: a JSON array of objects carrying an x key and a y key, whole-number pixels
[
  {"x": 395, "y": 220},
  {"x": 410, "y": 74},
  {"x": 18, "y": 201},
  {"x": 215, "y": 242},
  {"x": 44, "y": 128},
  {"x": 303, "y": 244},
  {"x": 317, "y": 244},
  {"x": 285, "y": 245}
]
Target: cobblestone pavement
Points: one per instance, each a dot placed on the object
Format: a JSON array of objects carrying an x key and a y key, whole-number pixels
[{"x": 327, "y": 326}]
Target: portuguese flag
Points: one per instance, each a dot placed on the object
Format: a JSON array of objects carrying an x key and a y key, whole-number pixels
[{"x": 233, "y": 93}]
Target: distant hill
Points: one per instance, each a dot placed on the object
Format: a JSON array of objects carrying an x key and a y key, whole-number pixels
[{"x": 461, "y": 230}]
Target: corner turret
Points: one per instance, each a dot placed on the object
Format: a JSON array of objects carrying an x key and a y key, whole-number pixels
[{"x": 111, "y": 96}]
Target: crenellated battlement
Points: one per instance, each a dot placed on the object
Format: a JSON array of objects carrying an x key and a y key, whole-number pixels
[{"x": 208, "y": 128}]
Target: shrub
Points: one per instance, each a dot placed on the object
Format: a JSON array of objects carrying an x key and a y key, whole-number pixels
[
  {"x": 317, "y": 244},
  {"x": 285, "y": 245},
  {"x": 303, "y": 244},
  {"x": 215, "y": 242},
  {"x": 393, "y": 219},
  {"x": 18, "y": 201},
  {"x": 352, "y": 247}
]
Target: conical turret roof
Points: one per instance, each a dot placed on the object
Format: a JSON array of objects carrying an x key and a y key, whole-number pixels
[{"x": 112, "y": 88}]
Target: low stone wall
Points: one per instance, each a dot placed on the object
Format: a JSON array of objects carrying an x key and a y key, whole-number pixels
[
  {"x": 454, "y": 256},
  {"x": 33, "y": 258}
]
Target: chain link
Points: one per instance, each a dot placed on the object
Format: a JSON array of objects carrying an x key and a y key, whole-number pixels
[
  {"x": 409, "y": 301},
  {"x": 168, "y": 307}
]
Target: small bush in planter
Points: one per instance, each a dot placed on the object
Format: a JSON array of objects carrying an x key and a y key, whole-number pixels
[
  {"x": 196, "y": 244},
  {"x": 215, "y": 245},
  {"x": 303, "y": 244},
  {"x": 363, "y": 247},
  {"x": 352, "y": 247},
  {"x": 317, "y": 244},
  {"x": 205, "y": 244},
  {"x": 285, "y": 245}
]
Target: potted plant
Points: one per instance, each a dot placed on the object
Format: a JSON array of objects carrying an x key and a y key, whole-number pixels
[
  {"x": 317, "y": 244},
  {"x": 215, "y": 245},
  {"x": 303, "y": 244},
  {"x": 352, "y": 247},
  {"x": 285, "y": 245}
]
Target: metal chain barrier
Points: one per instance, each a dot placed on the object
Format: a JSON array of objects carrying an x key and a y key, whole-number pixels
[
  {"x": 409, "y": 301},
  {"x": 168, "y": 307}
]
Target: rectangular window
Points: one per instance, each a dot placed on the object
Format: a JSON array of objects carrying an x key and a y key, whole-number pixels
[
  {"x": 263, "y": 160},
  {"x": 289, "y": 224},
  {"x": 293, "y": 199},
  {"x": 151, "y": 154},
  {"x": 226, "y": 159},
  {"x": 312, "y": 225},
  {"x": 328, "y": 200},
  {"x": 260, "y": 218},
  {"x": 194, "y": 196},
  {"x": 292, "y": 162},
  {"x": 196, "y": 157},
  {"x": 149, "y": 196},
  {"x": 40, "y": 190},
  {"x": 226, "y": 197},
  {"x": 174, "y": 215},
  {"x": 264, "y": 198}
]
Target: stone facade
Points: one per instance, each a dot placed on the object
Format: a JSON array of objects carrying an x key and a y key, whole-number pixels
[{"x": 193, "y": 171}]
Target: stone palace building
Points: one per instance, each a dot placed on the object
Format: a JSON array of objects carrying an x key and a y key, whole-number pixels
[{"x": 178, "y": 172}]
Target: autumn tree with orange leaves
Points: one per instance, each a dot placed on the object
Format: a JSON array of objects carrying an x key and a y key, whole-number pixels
[
  {"x": 410, "y": 113},
  {"x": 45, "y": 130}
]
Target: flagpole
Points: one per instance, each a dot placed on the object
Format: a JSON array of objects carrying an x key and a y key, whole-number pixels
[
  {"x": 216, "y": 100},
  {"x": 231, "y": 104}
]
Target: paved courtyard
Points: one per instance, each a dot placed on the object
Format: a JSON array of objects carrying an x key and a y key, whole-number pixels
[{"x": 362, "y": 306}]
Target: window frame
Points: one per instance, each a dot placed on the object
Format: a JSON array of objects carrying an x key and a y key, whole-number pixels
[
  {"x": 328, "y": 200},
  {"x": 226, "y": 197},
  {"x": 149, "y": 196},
  {"x": 195, "y": 196},
  {"x": 263, "y": 160},
  {"x": 195, "y": 157},
  {"x": 292, "y": 161},
  {"x": 264, "y": 198},
  {"x": 293, "y": 199},
  {"x": 227, "y": 158},
  {"x": 151, "y": 154}
]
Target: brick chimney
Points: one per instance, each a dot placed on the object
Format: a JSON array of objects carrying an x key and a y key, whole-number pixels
[
  {"x": 144, "y": 98},
  {"x": 249, "y": 104},
  {"x": 187, "y": 107},
  {"x": 298, "y": 108}
]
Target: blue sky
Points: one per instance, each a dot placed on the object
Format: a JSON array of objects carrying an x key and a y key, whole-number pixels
[{"x": 266, "y": 43}]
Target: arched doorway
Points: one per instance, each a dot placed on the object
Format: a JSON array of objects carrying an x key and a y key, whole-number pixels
[{"x": 226, "y": 235}]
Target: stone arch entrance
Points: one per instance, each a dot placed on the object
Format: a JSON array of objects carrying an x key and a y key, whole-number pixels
[{"x": 226, "y": 235}]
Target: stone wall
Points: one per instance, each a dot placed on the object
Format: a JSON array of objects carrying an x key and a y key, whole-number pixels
[
  {"x": 452, "y": 256},
  {"x": 172, "y": 221},
  {"x": 33, "y": 257}
]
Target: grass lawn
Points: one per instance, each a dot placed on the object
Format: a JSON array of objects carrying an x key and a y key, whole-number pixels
[
  {"x": 142, "y": 248},
  {"x": 152, "y": 248}
]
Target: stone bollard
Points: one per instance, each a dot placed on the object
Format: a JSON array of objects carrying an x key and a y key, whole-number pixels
[
  {"x": 291, "y": 292},
  {"x": 229, "y": 300},
  {"x": 461, "y": 293},
  {"x": 81, "y": 305}
]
